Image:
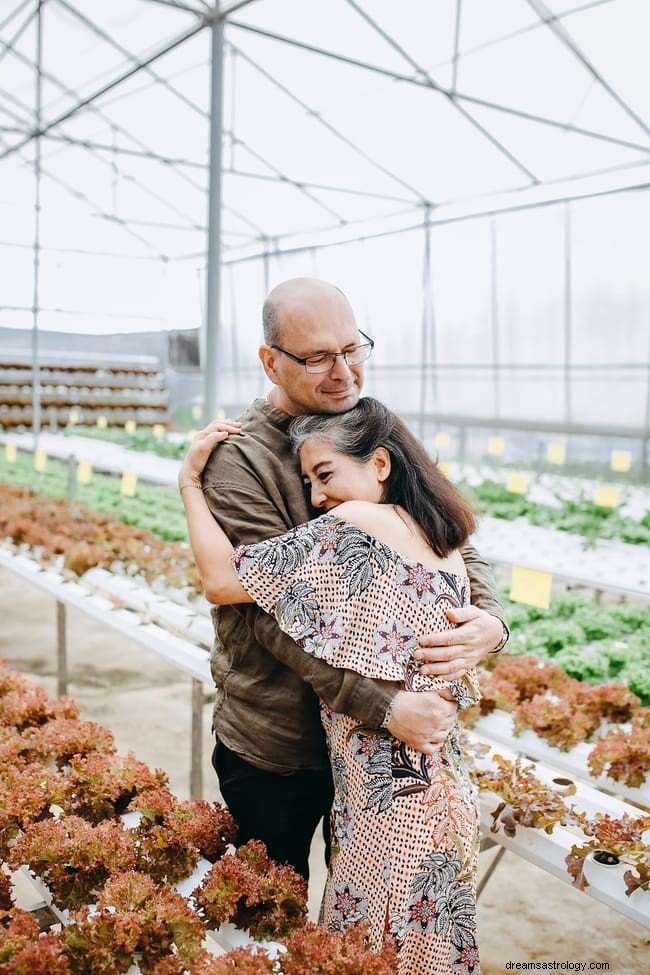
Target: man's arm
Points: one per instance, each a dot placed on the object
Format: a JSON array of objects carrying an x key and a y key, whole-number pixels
[
  {"x": 480, "y": 628},
  {"x": 422, "y": 720}
]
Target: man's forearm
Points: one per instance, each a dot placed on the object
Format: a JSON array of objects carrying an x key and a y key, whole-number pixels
[
  {"x": 344, "y": 691},
  {"x": 484, "y": 593}
]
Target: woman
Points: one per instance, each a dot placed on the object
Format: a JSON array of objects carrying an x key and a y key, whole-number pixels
[{"x": 356, "y": 587}]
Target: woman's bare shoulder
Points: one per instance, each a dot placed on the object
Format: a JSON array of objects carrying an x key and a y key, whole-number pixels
[{"x": 367, "y": 515}]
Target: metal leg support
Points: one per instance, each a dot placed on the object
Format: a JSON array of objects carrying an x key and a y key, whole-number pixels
[
  {"x": 61, "y": 650},
  {"x": 196, "y": 769},
  {"x": 490, "y": 870}
]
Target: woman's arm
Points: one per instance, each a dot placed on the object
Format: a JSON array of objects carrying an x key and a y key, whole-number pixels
[{"x": 210, "y": 546}]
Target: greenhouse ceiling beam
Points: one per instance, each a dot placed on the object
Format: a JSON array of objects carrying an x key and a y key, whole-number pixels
[
  {"x": 423, "y": 83},
  {"x": 435, "y": 222},
  {"x": 230, "y": 8},
  {"x": 118, "y": 150},
  {"x": 179, "y": 6},
  {"x": 78, "y": 195},
  {"x": 9, "y": 46},
  {"x": 288, "y": 179},
  {"x": 112, "y": 216},
  {"x": 560, "y": 31},
  {"x": 158, "y": 79},
  {"x": 85, "y": 102},
  {"x": 106, "y": 37},
  {"x": 109, "y": 121},
  {"x": 321, "y": 186},
  {"x": 14, "y": 13},
  {"x": 516, "y": 423},
  {"x": 529, "y": 28},
  {"x": 48, "y": 76},
  {"x": 193, "y": 164},
  {"x": 422, "y": 200},
  {"x": 449, "y": 94},
  {"x": 82, "y": 251},
  {"x": 82, "y": 313}
]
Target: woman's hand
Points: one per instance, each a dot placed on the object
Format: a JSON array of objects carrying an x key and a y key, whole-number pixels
[{"x": 200, "y": 449}]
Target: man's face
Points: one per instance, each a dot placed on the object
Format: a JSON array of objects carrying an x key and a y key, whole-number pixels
[{"x": 324, "y": 325}]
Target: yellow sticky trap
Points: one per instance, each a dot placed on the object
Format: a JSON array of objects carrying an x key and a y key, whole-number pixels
[
  {"x": 197, "y": 412},
  {"x": 517, "y": 484},
  {"x": 73, "y": 417},
  {"x": 620, "y": 460},
  {"x": 606, "y": 496},
  {"x": 555, "y": 453},
  {"x": 129, "y": 426},
  {"x": 10, "y": 453},
  {"x": 84, "y": 472},
  {"x": 442, "y": 441},
  {"x": 102, "y": 422},
  {"x": 496, "y": 447},
  {"x": 531, "y": 586},
  {"x": 40, "y": 460},
  {"x": 129, "y": 484},
  {"x": 158, "y": 431}
]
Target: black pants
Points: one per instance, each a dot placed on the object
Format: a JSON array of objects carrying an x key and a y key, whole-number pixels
[{"x": 281, "y": 810}]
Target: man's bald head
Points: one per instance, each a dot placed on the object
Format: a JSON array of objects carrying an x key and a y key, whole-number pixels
[
  {"x": 297, "y": 300},
  {"x": 305, "y": 318}
]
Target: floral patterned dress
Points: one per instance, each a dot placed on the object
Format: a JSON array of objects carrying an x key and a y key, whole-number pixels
[{"x": 404, "y": 825}]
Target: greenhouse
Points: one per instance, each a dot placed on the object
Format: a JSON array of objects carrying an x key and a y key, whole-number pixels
[{"x": 466, "y": 186}]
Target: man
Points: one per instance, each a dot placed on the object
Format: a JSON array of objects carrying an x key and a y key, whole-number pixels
[{"x": 270, "y": 754}]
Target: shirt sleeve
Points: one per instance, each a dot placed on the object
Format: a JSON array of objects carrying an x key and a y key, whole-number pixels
[{"x": 483, "y": 585}]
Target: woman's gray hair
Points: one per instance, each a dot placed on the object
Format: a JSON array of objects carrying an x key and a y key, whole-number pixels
[{"x": 356, "y": 433}]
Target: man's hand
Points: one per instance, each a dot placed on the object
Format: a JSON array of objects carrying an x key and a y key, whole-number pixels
[
  {"x": 451, "y": 653},
  {"x": 422, "y": 719}
]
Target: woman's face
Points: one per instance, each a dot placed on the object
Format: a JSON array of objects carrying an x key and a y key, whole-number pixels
[{"x": 334, "y": 477}]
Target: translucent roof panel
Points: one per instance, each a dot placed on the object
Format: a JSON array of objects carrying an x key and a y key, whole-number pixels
[{"x": 517, "y": 132}]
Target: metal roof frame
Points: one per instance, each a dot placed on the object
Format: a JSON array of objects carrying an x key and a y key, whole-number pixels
[{"x": 214, "y": 17}]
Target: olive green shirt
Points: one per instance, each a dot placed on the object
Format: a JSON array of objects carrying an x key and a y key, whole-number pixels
[{"x": 266, "y": 707}]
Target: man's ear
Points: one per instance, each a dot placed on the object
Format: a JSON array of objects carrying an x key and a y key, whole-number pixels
[
  {"x": 268, "y": 357},
  {"x": 381, "y": 460}
]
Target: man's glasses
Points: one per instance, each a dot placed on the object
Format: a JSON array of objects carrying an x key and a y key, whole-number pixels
[{"x": 326, "y": 360}]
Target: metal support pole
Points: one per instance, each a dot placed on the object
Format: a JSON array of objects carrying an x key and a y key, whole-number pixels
[
  {"x": 494, "y": 318},
  {"x": 213, "y": 272},
  {"x": 461, "y": 435},
  {"x": 61, "y": 650},
  {"x": 490, "y": 870},
  {"x": 196, "y": 768},
  {"x": 645, "y": 443},
  {"x": 427, "y": 350},
  {"x": 72, "y": 479},
  {"x": 567, "y": 314},
  {"x": 36, "y": 375}
]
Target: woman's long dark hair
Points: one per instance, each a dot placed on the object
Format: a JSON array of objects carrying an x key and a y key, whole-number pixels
[{"x": 415, "y": 481}]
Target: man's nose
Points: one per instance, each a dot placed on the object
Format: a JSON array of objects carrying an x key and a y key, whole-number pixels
[{"x": 340, "y": 369}]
